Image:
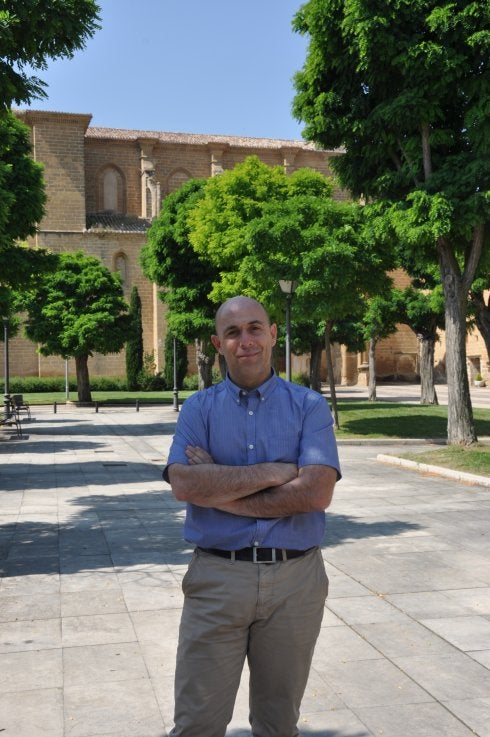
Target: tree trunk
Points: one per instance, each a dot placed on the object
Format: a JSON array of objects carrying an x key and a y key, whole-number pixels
[
  {"x": 222, "y": 366},
  {"x": 482, "y": 318},
  {"x": 331, "y": 378},
  {"x": 372, "y": 370},
  {"x": 205, "y": 356},
  {"x": 460, "y": 424},
  {"x": 426, "y": 356},
  {"x": 316, "y": 351},
  {"x": 83, "y": 381}
]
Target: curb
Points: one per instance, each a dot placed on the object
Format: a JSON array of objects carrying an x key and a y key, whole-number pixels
[
  {"x": 391, "y": 441},
  {"x": 449, "y": 473}
]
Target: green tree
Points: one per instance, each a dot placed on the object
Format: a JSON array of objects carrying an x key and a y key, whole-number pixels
[
  {"x": 423, "y": 311},
  {"x": 76, "y": 311},
  {"x": 289, "y": 228},
  {"x": 378, "y": 322},
  {"x": 134, "y": 346},
  {"x": 21, "y": 206},
  {"x": 403, "y": 87},
  {"x": 31, "y": 32},
  {"x": 34, "y": 31},
  {"x": 186, "y": 278}
]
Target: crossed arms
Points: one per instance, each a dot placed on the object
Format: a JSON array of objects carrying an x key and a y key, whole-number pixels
[{"x": 261, "y": 490}]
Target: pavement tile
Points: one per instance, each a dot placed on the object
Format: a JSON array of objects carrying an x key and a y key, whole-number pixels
[
  {"x": 466, "y": 633},
  {"x": 90, "y": 709},
  {"x": 30, "y": 634},
  {"x": 372, "y": 683},
  {"x": 32, "y": 606},
  {"x": 413, "y": 720},
  {"x": 30, "y": 670},
  {"x": 342, "y": 644},
  {"x": 446, "y": 677},
  {"x": 366, "y": 609},
  {"x": 105, "y": 601},
  {"x": 89, "y": 664},
  {"x": 473, "y": 712},
  {"x": 429, "y": 604},
  {"x": 35, "y": 713},
  {"x": 97, "y": 629},
  {"x": 332, "y": 723},
  {"x": 403, "y": 638}
]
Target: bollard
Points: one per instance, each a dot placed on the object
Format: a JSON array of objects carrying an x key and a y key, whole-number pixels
[
  {"x": 54, "y": 408},
  {"x": 96, "y": 407},
  {"x": 137, "y": 405}
]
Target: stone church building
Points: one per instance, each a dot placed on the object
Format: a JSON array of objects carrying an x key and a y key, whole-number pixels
[{"x": 105, "y": 185}]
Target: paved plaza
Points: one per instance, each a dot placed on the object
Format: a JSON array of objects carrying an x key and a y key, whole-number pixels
[{"x": 92, "y": 558}]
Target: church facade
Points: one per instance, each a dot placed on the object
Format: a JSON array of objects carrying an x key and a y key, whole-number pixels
[{"x": 104, "y": 186}]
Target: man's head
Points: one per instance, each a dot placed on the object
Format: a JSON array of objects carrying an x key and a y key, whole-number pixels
[{"x": 245, "y": 337}]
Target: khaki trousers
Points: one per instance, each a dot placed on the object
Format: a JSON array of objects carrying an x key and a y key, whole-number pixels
[{"x": 268, "y": 613}]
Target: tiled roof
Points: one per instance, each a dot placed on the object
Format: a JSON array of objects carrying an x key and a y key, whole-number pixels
[
  {"x": 121, "y": 223},
  {"x": 121, "y": 134}
]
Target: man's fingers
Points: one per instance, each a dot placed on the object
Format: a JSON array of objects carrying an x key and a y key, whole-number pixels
[{"x": 197, "y": 455}]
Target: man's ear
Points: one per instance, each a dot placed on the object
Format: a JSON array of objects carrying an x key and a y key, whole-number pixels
[
  {"x": 274, "y": 333},
  {"x": 216, "y": 342}
]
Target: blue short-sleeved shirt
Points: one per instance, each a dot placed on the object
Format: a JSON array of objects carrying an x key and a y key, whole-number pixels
[{"x": 278, "y": 421}]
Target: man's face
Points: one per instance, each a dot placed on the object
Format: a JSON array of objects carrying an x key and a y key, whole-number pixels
[{"x": 245, "y": 339}]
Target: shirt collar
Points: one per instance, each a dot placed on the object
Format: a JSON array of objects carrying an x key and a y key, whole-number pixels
[{"x": 263, "y": 391}]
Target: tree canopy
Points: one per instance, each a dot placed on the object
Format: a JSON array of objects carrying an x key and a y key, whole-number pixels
[
  {"x": 21, "y": 204},
  {"x": 186, "y": 277},
  {"x": 31, "y": 32},
  {"x": 34, "y": 31},
  {"x": 76, "y": 311},
  {"x": 403, "y": 88}
]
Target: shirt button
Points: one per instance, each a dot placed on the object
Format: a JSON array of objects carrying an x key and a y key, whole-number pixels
[
  {"x": 251, "y": 447},
  {"x": 250, "y": 413},
  {"x": 256, "y": 543}
]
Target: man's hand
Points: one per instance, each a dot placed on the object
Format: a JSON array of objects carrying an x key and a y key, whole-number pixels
[{"x": 197, "y": 455}]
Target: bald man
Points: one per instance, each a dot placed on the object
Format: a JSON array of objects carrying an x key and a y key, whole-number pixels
[{"x": 255, "y": 459}]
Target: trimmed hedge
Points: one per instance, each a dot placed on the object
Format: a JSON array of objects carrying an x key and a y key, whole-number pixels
[{"x": 34, "y": 384}]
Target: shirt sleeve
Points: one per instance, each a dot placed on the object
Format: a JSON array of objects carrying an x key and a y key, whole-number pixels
[
  {"x": 318, "y": 445},
  {"x": 190, "y": 430}
]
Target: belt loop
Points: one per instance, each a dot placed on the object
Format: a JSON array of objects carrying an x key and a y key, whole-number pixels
[
  {"x": 232, "y": 556},
  {"x": 284, "y": 554},
  {"x": 254, "y": 554}
]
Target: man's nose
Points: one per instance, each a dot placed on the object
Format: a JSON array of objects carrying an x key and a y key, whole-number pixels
[{"x": 246, "y": 337}]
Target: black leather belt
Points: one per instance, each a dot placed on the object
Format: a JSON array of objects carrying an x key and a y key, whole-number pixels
[{"x": 257, "y": 555}]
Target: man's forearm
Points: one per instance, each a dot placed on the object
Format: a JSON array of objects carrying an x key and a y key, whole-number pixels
[
  {"x": 211, "y": 484},
  {"x": 311, "y": 491}
]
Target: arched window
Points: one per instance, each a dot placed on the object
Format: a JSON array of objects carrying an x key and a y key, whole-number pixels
[
  {"x": 111, "y": 191},
  {"x": 176, "y": 179},
  {"x": 120, "y": 264}
]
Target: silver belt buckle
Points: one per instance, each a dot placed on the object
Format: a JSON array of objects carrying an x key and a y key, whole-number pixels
[{"x": 254, "y": 556}]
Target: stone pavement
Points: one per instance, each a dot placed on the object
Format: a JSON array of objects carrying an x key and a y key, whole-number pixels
[{"x": 92, "y": 558}]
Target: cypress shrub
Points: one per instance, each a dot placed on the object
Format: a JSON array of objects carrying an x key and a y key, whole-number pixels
[{"x": 134, "y": 346}]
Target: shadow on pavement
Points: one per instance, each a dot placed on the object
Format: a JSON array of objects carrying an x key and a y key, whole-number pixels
[{"x": 128, "y": 530}]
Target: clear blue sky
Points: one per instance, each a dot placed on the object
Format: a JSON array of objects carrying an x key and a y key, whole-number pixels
[{"x": 189, "y": 66}]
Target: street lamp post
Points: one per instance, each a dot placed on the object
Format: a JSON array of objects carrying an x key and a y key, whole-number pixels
[
  {"x": 6, "y": 392},
  {"x": 287, "y": 288},
  {"x": 176, "y": 389}
]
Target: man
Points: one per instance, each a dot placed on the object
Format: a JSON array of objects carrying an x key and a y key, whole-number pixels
[{"x": 256, "y": 461}]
